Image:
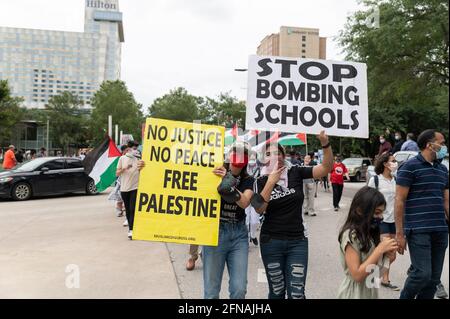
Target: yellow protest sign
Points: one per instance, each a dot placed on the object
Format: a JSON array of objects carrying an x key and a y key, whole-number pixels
[{"x": 177, "y": 198}]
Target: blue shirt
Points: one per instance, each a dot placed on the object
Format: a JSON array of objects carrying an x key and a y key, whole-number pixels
[
  {"x": 410, "y": 145},
  {"x": 424, "y": 207}
]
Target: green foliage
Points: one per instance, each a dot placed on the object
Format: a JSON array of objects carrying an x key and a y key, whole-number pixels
[
  {"x": 10, "y": 112},
  {"x": 177, "y": 105},
  {"x": 68, "y": 123},
  {"x": 407, "y": 61},
  {"x": 113, "y": 98}
]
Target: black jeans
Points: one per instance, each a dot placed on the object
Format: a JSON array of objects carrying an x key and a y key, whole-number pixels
[
  {"x": 129, "y": 200},
  {"x": 337, "y": 194}
]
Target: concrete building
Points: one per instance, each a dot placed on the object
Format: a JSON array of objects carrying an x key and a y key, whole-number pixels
[
  {"x": 294, "y": 42},
  {"x": 39, "y": 64}
]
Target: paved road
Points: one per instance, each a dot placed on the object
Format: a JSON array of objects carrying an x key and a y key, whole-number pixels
[
  {"x": 40, "y": 238},
  {"x": 324, "y": 270}
]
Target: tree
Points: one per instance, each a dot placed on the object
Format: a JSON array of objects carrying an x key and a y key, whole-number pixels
[
  {"x": 113, "y": 98},
  {"x": 226, "y": 110},
  {"x": 68, "y": 123},
  {"x": 407, "y": 60},
  {"x": 177, "y": 105},
  {"x": 10, "y": 112}
]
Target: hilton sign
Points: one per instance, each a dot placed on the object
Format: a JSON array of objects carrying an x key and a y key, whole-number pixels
[{"x": 100, "y": 5}]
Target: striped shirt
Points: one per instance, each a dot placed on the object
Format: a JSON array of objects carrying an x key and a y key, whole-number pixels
[{"x": 424, "y": 207}]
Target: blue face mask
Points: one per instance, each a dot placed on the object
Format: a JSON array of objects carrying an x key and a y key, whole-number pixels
[{"x": 442, "y": 152}]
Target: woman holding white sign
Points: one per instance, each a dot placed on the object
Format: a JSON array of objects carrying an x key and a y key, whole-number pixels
[
  {"x": 236, "y": 190},
  {"x": 283, "y": 240}
]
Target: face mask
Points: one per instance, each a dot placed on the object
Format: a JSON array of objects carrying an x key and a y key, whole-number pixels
[
  {"x": 338, "y": 160},
  {"x": 442, "y": 152},
  {"x": 397, "y": 138},
  {"x": 382, "y": 141},
  {"x": 376, "y": 222},
  {"x": 393, "y": 166},
  {"x": 238, "y": 160}
]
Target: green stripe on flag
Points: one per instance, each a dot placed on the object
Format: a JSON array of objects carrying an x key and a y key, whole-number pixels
[{"x": 108, "y": 177}]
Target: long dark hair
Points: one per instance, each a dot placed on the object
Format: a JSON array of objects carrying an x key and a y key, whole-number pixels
[
  {"x": 360, "y": 215},
  {"x": 381, "y": 160}
]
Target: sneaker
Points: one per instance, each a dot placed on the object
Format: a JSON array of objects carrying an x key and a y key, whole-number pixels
[
  {"x": 440, "y": 292},
  {"x": 313, "y": 214},
  {"x": 254, "y": 241},
  {"x": 125, "y": 223},
  {"x": 336, "y": 209},
  {"x": 390, "y": 286},
  {"x": 130, "y": 234},
  {"x": 190, "y": 264},
  {"x": 306, "y": 213}
]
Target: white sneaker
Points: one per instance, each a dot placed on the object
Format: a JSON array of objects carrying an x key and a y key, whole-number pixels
[
  {"x": 125, "y": 223},
  {"x": 130, "y": 234}
]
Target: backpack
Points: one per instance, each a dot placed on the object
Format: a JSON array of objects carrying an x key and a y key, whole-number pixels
[{"x": 377, "y": 181}]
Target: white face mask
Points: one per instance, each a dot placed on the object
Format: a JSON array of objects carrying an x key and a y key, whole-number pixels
[
  {"x": 382, "y": 141},
  {"x": 393, "y": 166}
]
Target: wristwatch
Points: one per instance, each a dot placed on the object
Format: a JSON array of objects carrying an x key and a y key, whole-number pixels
[{"x": 326, "y": 146}]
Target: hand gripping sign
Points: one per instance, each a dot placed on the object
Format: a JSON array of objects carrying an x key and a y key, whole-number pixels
[
  {"x": 177, "y": 198},
  {"x": 305, "y": 95}
]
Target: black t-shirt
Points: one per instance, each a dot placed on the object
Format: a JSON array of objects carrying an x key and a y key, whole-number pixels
[
  {"x": 283, "y": 218},
  {"x": 232, "y": 213}
]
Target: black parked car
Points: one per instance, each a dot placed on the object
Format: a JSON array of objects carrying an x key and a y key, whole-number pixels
[{"x": 46, "y": 176}]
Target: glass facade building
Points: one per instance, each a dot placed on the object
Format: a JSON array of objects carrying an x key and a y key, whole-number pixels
[{"x": 39, "y": 64}]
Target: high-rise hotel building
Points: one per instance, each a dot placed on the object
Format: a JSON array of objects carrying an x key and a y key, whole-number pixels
[{"x": 39, "y": 64}]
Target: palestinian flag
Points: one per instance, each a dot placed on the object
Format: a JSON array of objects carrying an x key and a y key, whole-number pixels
[
  {"x": 231, "y": 135},
  {"x": 292, "y": 139},
  {"x": 101, "y": 163}
]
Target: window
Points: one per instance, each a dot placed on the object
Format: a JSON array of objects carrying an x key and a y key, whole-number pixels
[
  {"x": 56, "y": 164},
  {"x": 303, "y": 56},
  {"x": 303, "y": 37},
  {"x": 73, "y": 163},
  {"x": 303, "y": 51},
  {"x": 32, "y": 133},
  {"x": 303, "y": 45}
]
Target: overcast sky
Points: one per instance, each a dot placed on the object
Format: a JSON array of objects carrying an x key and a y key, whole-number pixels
[{"x": 195, "y": 44}]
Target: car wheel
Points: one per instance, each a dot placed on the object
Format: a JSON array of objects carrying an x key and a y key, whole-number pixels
[
  {"x": 90, "y": 188},
  {"x": 21, "y": 191},
  {"x": 358, "y": 177}
]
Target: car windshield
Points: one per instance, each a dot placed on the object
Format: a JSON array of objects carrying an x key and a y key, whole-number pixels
[
  {"x": 352, "y": 161},
  {"x": 31, "y": 165}
]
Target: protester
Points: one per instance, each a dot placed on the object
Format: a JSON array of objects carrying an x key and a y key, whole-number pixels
[
  {"x": 384, "y": 182},
  {"x": 193, "y": 252},
  {"x": 308, "y": 189},
  {"x": 337, "y": 180},
  {"x": 236, "y": 190},
  {"x": 398, "y": 142},
  {"x": 32, "y": 154},
  {"x": 360, "y": 245},
  {"x": 42, "y": 152},
  {"x": 19, "y": 156},
  {"x": 421, "y": 215},
  {"x": 9, "y": 159},
  {"x": 293, "y": 158},
  {"x": 410, "y": 144},
  {"x": 385, "y": 146},
  {"x": 283, "y": 239},
  {"x": 128, "y": 170}
]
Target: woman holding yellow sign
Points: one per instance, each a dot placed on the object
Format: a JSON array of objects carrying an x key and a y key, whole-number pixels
[{"x": 236, "y": 190}]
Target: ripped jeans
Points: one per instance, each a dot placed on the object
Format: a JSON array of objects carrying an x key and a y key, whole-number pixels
[{"x": 286, "y": 264}]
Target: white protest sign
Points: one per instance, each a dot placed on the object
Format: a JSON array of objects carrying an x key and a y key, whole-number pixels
[{"x": 307, "y": 95}]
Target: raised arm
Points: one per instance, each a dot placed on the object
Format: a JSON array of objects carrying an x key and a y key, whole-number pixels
[{"x": 325, "y": 168}]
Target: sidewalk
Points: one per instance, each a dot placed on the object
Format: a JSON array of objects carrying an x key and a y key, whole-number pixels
[{"x": 39, "y": 239}]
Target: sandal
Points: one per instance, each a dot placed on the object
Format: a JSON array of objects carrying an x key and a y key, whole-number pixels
[{"x": 390, "y": 286}]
